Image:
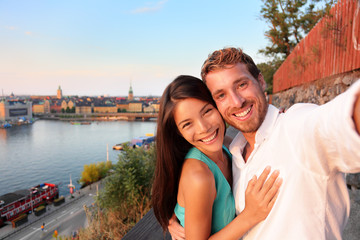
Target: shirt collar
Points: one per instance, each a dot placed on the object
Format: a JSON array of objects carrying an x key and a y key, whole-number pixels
[{"x": 239, "y": 142}]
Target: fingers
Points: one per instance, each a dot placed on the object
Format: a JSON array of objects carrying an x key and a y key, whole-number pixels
[
  {"x": 251, "y": 184},
  {"x": 270, "y": 182},
  {"x": 273, "y": 200},
  {"x": 260, "y": 182},
  {"x": 273, "y": 192}
]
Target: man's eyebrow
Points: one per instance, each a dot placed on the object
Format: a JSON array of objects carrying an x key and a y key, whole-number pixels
[{"x": 235, "y": 82}]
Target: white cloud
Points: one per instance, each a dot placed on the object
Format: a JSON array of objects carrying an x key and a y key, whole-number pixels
[
  {"x": 153, "y": 7},
  {"x": 29, "y": 33},
  {"x": 10, "y": 27}
]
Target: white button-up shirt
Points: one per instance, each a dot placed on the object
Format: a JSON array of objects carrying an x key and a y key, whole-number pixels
[{"x": 312, "y": 146}]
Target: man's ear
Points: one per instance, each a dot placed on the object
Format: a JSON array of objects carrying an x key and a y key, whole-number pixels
[{"x": 262, "y": 82}]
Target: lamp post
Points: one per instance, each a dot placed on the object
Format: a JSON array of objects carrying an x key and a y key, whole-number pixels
[{"x": 32, "y": 209}]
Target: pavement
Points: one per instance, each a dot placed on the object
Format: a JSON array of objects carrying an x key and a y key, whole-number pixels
[{"x": 7, "y": 232}]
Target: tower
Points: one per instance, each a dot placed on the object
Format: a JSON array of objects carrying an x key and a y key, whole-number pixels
[
  {"x": 59, "y": 93},
  {"x": 131, "y": 94}
]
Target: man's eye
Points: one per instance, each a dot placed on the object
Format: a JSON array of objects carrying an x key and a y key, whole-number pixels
[
  {"x": 241, "y": 85},
  {"x": 220, "y": 96}
]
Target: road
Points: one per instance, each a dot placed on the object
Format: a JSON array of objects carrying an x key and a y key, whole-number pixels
[{"x": 66, "y": 219}]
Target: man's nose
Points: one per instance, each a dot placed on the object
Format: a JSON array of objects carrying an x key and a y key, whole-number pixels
[{"x": 236, "y": 99}]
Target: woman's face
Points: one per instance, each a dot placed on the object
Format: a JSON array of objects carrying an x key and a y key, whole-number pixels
[{"x": 200, "y": 124}]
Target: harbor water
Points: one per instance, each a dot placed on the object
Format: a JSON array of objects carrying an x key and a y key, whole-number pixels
[{"x": 51, "y": 151}]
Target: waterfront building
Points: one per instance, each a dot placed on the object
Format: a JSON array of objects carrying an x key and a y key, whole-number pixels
[
  {"x": 38, "y": 107},
  {"x": 13, "y": 110},
  {"x": 122, "y": 106},
  {"x": 83, "y": 108},
  {"x": 55, "y": 106},
  {"x": 59, "y": 93},
  {"x": 47, "y": 106},
  {"x": 149, "y": 109},
  {"x": 135, "y": 106},
  {"x": 67, "y": 104},
  {"x": 156, "y": 106},
  {"x": 105, "y": 108}
]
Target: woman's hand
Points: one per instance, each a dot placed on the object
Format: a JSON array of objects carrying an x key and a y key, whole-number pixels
[
  {"x": 261, "y": 194},
  {"x": 176, "y": 230}
]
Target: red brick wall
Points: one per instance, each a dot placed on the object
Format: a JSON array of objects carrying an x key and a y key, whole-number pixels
[{"x": 332, "y": 47}]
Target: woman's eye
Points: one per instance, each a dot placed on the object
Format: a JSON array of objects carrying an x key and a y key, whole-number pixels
[
  {"x": 208, "y": 110},
  {"x": 185, "y": 125}
]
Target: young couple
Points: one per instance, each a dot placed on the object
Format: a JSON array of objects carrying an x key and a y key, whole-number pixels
[{"x": 312, "y": 146}]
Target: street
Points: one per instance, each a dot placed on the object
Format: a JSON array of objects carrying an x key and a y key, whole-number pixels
[{"x": 66, "y": 219}]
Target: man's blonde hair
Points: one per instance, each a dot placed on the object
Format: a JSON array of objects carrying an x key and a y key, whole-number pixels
[{"x": 221, "y": 59}]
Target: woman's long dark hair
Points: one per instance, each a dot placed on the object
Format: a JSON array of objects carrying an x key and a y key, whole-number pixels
[{"x": 171, "y": 147}]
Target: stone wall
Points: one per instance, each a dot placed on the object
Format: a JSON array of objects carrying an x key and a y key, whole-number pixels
[{"x": 318, "y": 92}]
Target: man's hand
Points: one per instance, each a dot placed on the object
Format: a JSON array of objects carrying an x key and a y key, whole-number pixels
[{"x": 176, "y": 230}]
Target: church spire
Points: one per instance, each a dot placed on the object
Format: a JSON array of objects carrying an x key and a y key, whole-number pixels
[{"x": 131, "y": 94}]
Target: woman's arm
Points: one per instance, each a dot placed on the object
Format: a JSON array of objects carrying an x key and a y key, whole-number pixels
[
  {"x": 197, "y": 189},
  {"x": 260, "y": 196}
]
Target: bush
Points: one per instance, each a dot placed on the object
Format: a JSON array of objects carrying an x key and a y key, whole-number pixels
[
  {"x": 94, "y": 172},
  {"x": 125, "y": 198}
]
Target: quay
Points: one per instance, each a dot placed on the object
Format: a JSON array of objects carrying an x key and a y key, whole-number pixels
[{"x": 127, "y": 116}]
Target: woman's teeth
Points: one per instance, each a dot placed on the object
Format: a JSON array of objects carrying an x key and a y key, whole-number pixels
[{"x": 209, "y": 138}]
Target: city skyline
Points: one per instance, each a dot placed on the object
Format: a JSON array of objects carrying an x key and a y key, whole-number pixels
[{"x": 98, "y": 48}]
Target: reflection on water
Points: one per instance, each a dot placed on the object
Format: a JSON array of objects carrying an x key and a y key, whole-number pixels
[{"x": 49, "y": 151}]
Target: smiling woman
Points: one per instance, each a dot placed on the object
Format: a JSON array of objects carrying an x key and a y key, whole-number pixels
[{"x": 193, "y": 170}]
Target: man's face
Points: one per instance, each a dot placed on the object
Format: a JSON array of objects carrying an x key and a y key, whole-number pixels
[{"x": 239, "y": 97}]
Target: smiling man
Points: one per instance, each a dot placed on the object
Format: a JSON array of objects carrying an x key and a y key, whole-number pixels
[{"x": 312, "y": 146}]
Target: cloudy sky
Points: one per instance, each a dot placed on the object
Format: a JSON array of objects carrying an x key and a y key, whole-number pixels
[{"x": 97, "y": 47}]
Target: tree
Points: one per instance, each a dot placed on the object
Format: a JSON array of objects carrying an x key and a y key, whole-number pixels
[
  {"x": 289, "y": 21},
  {"x": 268, "y": 70},
  {"x": 90, "y": 174},
  {"x": 132, "y": 180}
]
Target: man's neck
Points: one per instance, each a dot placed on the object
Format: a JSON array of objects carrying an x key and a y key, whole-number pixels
[{"x": 249, "y": 147}]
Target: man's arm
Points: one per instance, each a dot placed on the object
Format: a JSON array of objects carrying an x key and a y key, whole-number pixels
[{"x": 356, "y": 114}]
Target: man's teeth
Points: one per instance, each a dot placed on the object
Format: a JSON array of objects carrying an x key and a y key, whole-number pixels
[
  {"x": 209, "y": 138},
  {"x": 243, "y": 113}
]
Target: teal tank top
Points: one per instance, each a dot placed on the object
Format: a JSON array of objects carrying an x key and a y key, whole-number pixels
[{"x": 223, "y": 211}]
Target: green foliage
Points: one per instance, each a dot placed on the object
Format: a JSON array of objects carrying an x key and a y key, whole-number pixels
[
  {"x": 289, "y": 21},
  {"x": 268, "y": 70},
  {"x": 132, "y": 180},
  {"x": 94, "y": 172}
]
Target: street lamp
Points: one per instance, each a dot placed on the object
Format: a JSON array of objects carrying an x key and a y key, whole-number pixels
[{"x": 32, "y": 209}]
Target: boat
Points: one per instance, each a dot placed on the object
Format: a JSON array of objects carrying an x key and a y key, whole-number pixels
[
  {"x": 136, "y": 142},
  {"x": 13, "y": 204},
  {"x": 6, "y": 125},
  {"x": 118, "y": 146},
  {"x": 80, "y": 123}
]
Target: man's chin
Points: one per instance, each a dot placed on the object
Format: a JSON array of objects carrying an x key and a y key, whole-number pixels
[{"x": 248, "y": 128}]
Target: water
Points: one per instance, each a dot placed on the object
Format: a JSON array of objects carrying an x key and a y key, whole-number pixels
[{"x": 49, "y": 151}]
